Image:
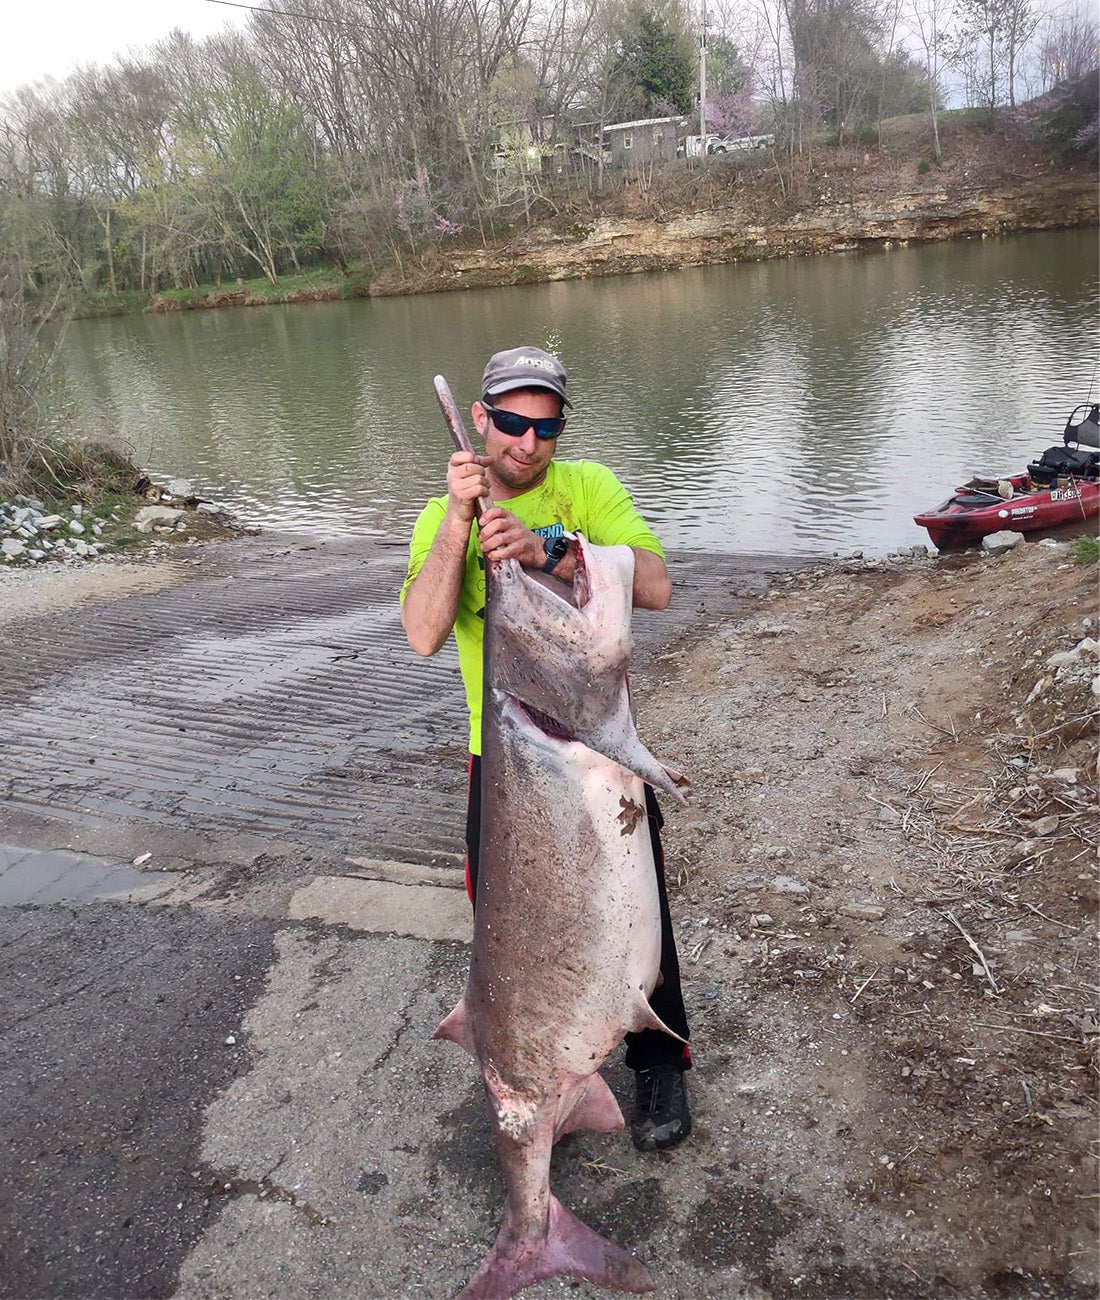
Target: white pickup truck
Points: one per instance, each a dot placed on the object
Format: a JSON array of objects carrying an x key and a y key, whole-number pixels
[
  {"x": 690, "y": 146},
  {"x": 738, "y": 143}
]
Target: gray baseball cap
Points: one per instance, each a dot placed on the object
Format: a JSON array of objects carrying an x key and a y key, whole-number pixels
[{"x": 523, "y": 368}]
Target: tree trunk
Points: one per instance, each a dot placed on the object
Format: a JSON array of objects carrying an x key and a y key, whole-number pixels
[{"x": 111, "y": 285}]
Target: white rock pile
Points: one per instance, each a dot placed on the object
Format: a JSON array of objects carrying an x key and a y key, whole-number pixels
[{"x": 28, "y": 535}]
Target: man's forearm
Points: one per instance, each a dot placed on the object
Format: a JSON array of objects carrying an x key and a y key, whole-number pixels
[
  {"x": 652, "y": 585},
  {"x": 431, "y": 602}
]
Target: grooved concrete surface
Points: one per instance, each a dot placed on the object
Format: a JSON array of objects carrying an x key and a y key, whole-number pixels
[
  {"x": 272, "y": 692},
  {"x": 217, "y": 1077}
]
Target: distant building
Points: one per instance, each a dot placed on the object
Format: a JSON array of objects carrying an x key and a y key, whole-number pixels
[
  {"x": 522, "y": 146},
  {"x": 650, "y": 139}
]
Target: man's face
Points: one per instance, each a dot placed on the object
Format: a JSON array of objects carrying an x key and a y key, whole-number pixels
[{"x": 518, "y": 464}]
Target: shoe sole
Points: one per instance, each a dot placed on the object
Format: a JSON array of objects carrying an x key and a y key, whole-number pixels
[{"x": 644, "y": 1142}]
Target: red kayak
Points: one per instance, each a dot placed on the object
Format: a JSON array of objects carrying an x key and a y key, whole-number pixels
[{"x": 1062, "y": 487}]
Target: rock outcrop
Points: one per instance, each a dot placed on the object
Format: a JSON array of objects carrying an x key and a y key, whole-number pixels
[{"x": 835, "y": 223}]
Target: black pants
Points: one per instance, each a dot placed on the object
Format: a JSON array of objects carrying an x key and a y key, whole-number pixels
[{"x": 649, "y": 1047}]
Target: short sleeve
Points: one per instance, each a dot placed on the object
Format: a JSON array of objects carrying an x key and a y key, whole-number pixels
[
  {"x": 423, "y": 535},
  {"x": 615, "y": 520}
]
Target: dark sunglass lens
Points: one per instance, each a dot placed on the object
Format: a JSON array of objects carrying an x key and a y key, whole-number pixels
[{"x": 515, "y": 426}]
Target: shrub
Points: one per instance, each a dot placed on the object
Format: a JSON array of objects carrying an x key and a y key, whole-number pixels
[
  {"x": 36, "y": 456},
  {"x": 25, "y": 363},
  {"x": 1085, "y": 550},
  {"x": 1067, "y": 120}
]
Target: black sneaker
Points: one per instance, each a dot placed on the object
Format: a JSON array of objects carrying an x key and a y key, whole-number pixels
[{"x": 661, "y": 1115}]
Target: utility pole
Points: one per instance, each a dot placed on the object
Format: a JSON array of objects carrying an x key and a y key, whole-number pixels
[{"x": 703, "y": 86}]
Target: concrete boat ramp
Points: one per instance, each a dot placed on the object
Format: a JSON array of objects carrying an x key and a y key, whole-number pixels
[{"x": 231, "y": 915}]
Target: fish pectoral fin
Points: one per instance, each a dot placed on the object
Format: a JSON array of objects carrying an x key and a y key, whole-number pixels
[
  {"x": 680, "y": 781},
  {"x": 567, "y": 1248},
  {"x": 456, "y": 1027},
  {"x": 592, "y": 1107},
  {"x": 646, "y": 1018}
]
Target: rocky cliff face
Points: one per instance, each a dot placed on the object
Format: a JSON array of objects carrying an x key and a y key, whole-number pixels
[{"x": 836, "y": 221}]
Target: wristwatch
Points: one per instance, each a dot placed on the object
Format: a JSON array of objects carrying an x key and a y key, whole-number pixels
[{"x": 556, "y": 548}]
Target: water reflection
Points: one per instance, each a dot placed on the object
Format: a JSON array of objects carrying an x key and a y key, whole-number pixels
[{"x": 786, "y": 407}]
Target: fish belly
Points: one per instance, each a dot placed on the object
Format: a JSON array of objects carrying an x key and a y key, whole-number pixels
[{"x": 567, "y": 929}]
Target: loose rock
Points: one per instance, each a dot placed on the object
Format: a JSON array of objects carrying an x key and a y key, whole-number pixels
[
  {"x": 998, "y": 543},
  {"x": 150, "y": 517},
  {"x": 862, "y": 911},
  {"x": 788, "y": 885}
]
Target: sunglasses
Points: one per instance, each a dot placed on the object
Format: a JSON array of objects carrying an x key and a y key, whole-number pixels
[{"x": 515, "y": 426}]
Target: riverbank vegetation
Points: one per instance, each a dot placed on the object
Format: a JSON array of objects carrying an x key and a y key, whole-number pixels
[
  {"x": 350, "y": 143},
  {"x": 63, "y": 494},
  {"x": 40, "y": 457},
  {"x": 1086, "y": 550}
]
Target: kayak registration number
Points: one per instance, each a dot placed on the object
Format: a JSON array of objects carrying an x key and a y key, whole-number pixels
[{"x": 1065, "y": 494}]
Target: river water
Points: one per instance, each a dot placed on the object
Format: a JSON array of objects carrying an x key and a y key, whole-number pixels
[{"x": 791, "y": 407}]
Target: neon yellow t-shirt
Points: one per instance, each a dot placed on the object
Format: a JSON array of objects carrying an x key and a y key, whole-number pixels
[{"x": 575, "y": 497}]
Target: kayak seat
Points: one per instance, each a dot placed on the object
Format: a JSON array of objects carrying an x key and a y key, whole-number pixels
[
  {"x": 1060, "y": 462},
  {"x": 1087, "y": 432}
]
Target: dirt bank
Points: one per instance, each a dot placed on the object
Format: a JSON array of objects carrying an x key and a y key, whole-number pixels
[
  {"x": 887, "y": 904},
  {"x": 740, "y": 207},
  {"x": 846, "y": 201}
]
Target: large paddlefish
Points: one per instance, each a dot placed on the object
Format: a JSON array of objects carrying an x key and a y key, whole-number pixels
[{"x": 567, "y": 931}]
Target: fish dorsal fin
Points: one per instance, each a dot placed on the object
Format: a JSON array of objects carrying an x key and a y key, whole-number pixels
[
  {"x": 646, "y": 1018},
  {"x": 456, "y": 1027}
]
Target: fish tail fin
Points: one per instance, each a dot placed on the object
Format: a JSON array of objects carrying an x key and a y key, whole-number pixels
[
  {"x": 577, "y": 1251},
  {"x": 456, "y": 1027},
  {"x": 594, "y": 1108},
  {"x": 567, "y": 1248}
]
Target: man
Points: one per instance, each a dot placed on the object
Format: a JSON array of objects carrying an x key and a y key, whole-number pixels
[{"x": 519, "y": 418}]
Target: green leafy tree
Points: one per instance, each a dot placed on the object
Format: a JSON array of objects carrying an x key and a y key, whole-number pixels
[
  {"x": 656, "y": 62},
  {"x": 252, "y": 174}
]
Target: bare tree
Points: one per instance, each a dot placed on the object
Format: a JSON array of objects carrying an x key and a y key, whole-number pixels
[
  {"x": 1020, "y": 24},
  {"x": 928, "y": 20},
  {"x": 1067, "y": 47},
  {"x": 991, "y": 37}
]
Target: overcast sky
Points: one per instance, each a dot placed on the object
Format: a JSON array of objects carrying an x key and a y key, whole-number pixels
[{"x": 50, "y": 37}]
